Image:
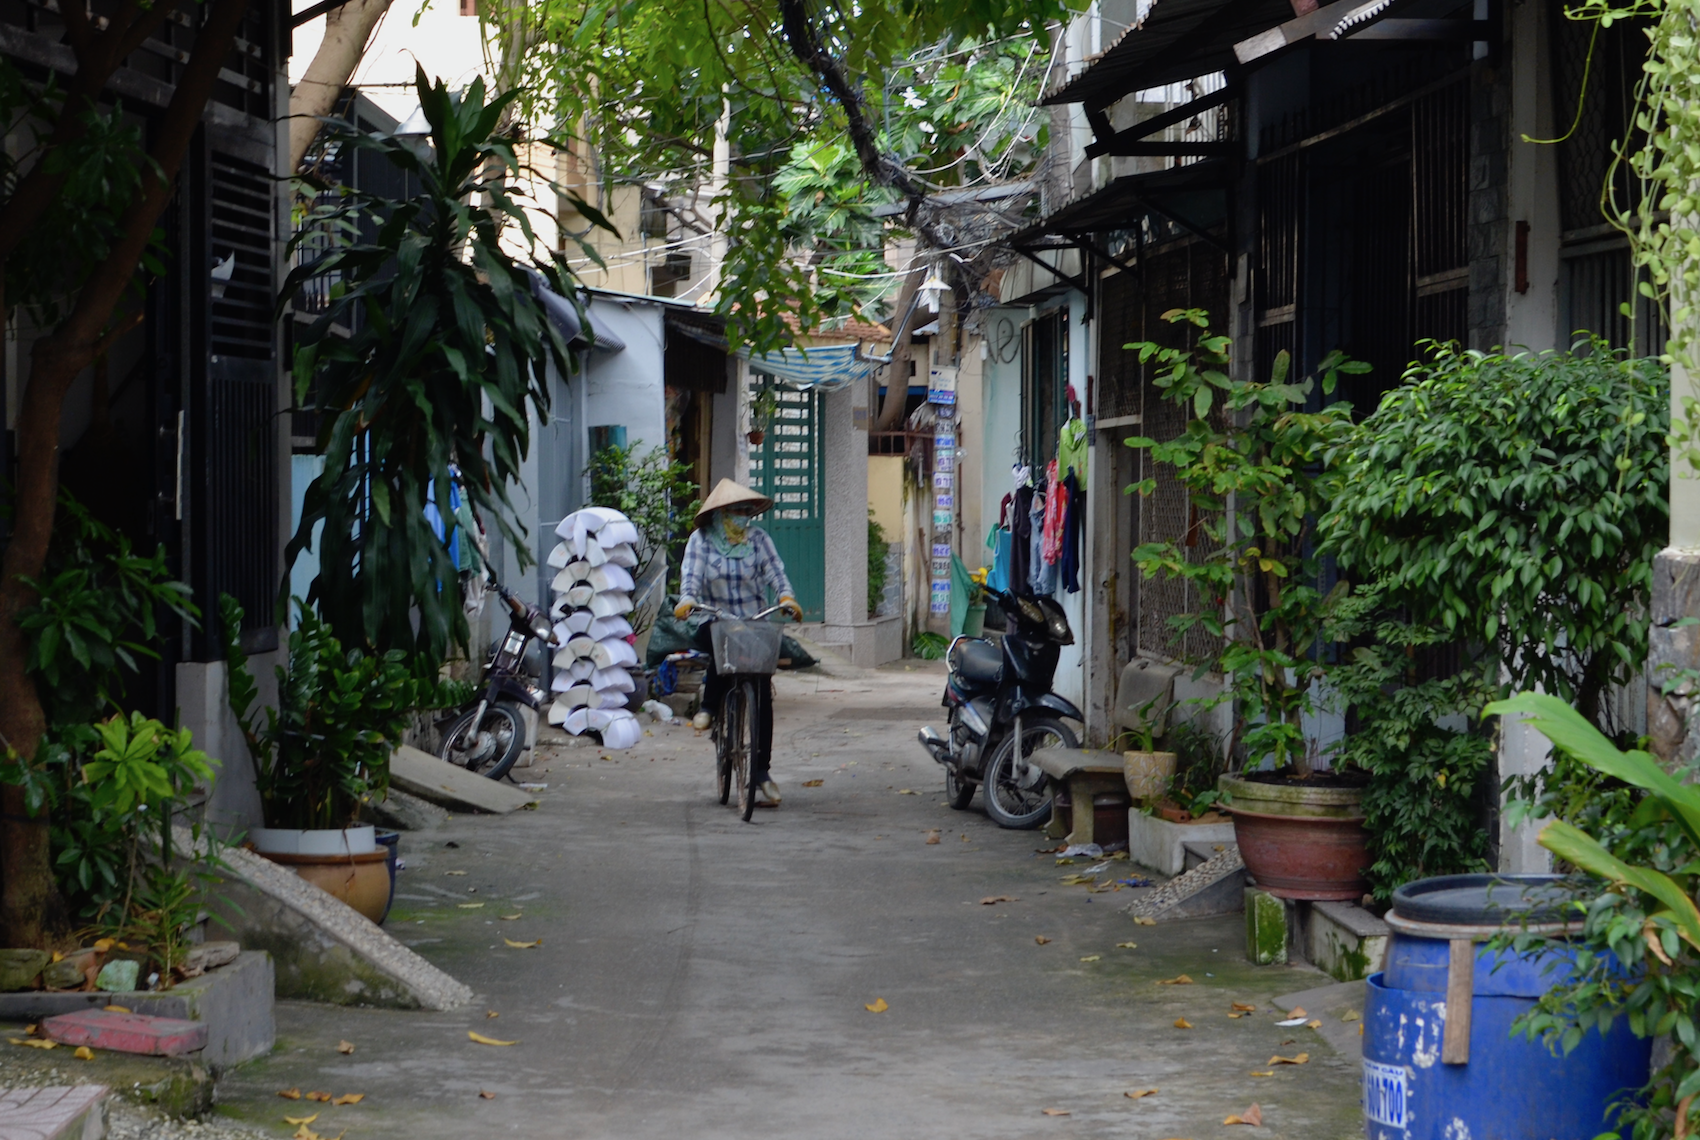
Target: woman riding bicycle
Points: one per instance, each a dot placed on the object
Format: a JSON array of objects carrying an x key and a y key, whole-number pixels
[{"x": 729, "y": 566}]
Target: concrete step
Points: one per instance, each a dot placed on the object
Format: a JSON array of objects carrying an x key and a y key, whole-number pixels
[
  {"x": 1216, "y": 886},
  {"x": 127, "y": 1032},
  {"x": 1341, "y": 939},
  {"x": 1198, "y": 851},
  {"x": 58, "y": 1112}
]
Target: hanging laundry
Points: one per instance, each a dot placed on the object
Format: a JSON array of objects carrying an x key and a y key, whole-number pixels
[
  {"x": 1073, "y": 446},
  {"x": 1074, "y": 522},
  {"x": 1020, "y": 539},
  {"x": 1056, "y": 505},
  {"x": 1041, "y": 575}
]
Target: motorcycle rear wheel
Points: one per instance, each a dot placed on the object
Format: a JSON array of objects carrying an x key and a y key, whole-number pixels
[
  {"x": 957, "y": 791},
  {"x": 1023, "y": 804},
  {"x": 491, "y": 747}
]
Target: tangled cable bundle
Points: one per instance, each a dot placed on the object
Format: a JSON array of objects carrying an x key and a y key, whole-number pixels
[{"x": 593, "y": 594}]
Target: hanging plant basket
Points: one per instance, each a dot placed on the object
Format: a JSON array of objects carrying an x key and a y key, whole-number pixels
[{"x": 757, "y": 436}]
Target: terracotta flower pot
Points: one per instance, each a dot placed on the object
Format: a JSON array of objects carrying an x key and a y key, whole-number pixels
[
  {"x": 1299, "y": 841},
  {"x": 757, "y": 436},
  {"x": 362, "y": 881}
]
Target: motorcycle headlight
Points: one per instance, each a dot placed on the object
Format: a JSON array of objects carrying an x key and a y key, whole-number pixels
[
  {"x": 540, "y": 627},
  {"x": 1055, "y": 622},
  {"x": 1030, "y": 611}
]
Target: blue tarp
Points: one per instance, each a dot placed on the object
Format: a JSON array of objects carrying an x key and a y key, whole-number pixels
[{"x": 827, "y": 367}]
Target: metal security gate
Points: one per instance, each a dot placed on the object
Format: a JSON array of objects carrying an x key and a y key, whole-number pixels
[{"x": 787, "y": 467}]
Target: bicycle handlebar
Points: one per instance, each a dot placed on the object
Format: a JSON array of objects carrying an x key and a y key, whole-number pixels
[{"x": 719, "y": 613}]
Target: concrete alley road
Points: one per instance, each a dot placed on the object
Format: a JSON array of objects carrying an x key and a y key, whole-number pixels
[{"x": 701, "y": 978}]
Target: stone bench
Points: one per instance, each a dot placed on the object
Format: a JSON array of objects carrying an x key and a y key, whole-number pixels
[{"x": 1145, "y": 692}]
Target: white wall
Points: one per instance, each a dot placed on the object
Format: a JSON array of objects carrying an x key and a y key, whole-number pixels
[
  {"x": 1000, "y": 410},
  {"x": 626, "y": 387},
  {"x": 1531, "y": 318}
]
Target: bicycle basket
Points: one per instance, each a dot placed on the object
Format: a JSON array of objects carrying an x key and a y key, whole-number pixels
[{"x": 745, "y": 646}]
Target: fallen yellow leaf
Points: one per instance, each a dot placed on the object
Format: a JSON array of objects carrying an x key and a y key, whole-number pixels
[
  {"x": 345, "y": 1046},
  {"x": 483, "y": 1040},
  {"x": 39, "y": 1043},
  {"x": 300, "y": 1119},
  {"x": 469, "y": 906},
  {"x": 105, "y": 944},
  {"x": 1261, "y": 1073},
  {"x": 932, "y": 838},
  {"x": 1132, "y": 1095},
  {"x": 1296, "y": 1011},
  {"x": 907, "y": 792},
  {"x": 1252, "y": 1116},
  {"x": 1056, "y": 1112},
  {"x": 289, "y": 1094},
  {"x": 1182, "y": 1023},
  {"x": 1091, "y": 957},
  {"x": 1349, "y": 1015},
  {"x": 878, "y": 1005},
  {"x": 1177, "y": 980},
  {"x": 1040, "y": 939},
  {"x": 1243, "y": 1007},
  {"x": 1145, "y": 920},
  {"x": 523, "y": 945},
  {"x": 1296, "y": 1060},
  {"x": 488, "y": 1014},
  {"x": 1127, "y": 946},
  {"x": 813, "y": 783},
  {"x": 510, "y": 917},
  {"x": 1235, "y": 1016},
  {"x": 321, "y": 1097},
  {"x": 486, "y": 1094},
  {"x": 117, "y": 1009},
  {"x": 83, "y": 1053},
  {"x": 1313, "y": 1024},
  {"x": 993, "y": 900},
  {"x": 349, "y": 1098}
]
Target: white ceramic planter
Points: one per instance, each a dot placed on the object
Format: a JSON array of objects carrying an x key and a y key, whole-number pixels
[{"x": 320, "y": 841}]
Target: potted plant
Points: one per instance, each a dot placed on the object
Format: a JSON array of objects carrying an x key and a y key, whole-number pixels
[
  {"x": 1299, "y": 826},
  {"x": 322, "y": 754},
  {"x": 974, "y": 620},
  {"x": 763, "y": 405},
  {"x": 1147, "y": 771}
]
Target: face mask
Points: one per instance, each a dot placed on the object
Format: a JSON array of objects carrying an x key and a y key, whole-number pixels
[{"x": 735, "y": 527}]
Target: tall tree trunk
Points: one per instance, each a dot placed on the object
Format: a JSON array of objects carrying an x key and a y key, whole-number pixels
[
  {"x": 897, "y": 372},
  {"x": 30, "y": 909},
  {"x": 347, "y": 30}
]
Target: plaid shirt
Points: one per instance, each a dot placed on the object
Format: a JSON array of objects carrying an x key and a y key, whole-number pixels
[{"x": 736, "y": 585}]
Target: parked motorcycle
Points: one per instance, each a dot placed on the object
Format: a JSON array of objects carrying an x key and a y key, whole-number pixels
[
  {"x": 487, "y": 736},
  {"x": 1002, "y": 711}
]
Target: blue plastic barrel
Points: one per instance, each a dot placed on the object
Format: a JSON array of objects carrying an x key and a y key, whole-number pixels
[
  {"x": 1511, "y": 1088},
  {"x": 389, "y": 841}
]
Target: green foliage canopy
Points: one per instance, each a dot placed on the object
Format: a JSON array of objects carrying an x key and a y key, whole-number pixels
[{"x": 1516, "y": 502}]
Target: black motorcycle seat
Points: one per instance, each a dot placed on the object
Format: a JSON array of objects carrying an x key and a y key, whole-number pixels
[{"x": 979, "y": 662}]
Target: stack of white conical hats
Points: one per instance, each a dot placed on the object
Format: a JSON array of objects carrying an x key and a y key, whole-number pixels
[{"x": 593, "y": 594}]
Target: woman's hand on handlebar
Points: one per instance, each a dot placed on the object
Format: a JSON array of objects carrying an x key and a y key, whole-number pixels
[
  {"x": 683, "y": 609},
  {"x": 792, "y": 610}
]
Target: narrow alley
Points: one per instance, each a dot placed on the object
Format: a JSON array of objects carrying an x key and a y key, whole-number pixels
[{"x": 703, "y": 977}]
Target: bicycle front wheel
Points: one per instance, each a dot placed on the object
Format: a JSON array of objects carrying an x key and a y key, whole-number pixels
[
  {"x": 735, "y": 718},
  {"x": 746, "y": 749}
]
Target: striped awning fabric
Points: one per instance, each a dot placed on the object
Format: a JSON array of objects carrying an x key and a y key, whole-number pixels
[{"x": 827, "y": 367}]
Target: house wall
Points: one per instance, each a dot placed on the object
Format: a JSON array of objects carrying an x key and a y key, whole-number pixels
[
  {"x": 1532, "y": 317},
  {"x": 885, "y": 493}
]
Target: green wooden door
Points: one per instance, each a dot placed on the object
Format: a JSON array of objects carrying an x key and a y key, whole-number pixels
[{"x": 787, "y": 467}]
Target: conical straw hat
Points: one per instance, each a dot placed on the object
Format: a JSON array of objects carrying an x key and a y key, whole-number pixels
[{"x": 726, "y": 494}]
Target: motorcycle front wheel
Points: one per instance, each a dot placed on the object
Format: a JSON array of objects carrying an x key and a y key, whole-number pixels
[
  {"x": 492, "y": 746},
  {"x": 957, "y": 791},
  {"x": 1024, "y": 802}
]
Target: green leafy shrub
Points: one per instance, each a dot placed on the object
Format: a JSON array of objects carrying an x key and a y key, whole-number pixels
[
  {"x": 655, "y": 491},
  {"x": 877, "y": 547},
  {"x": 1200, "y": 759},
  {"x": 929, "y": 646},
  {"x": 1420, "y": 742},
  {"x": 325, "y": 750},
  {"x": 1516, "y": 502},
  {"x": 1272, "y": 458}
]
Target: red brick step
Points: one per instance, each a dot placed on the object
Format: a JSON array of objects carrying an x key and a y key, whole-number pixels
[{"x": 127, "y": 1032}]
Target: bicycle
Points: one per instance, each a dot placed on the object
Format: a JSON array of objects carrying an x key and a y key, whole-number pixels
[{"x": 746, "y": 654}]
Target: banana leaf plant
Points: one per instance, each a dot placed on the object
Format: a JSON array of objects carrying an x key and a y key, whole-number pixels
[
  {"x": 430, "y": 348},
  {"x": 1570, "y": 731}
]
